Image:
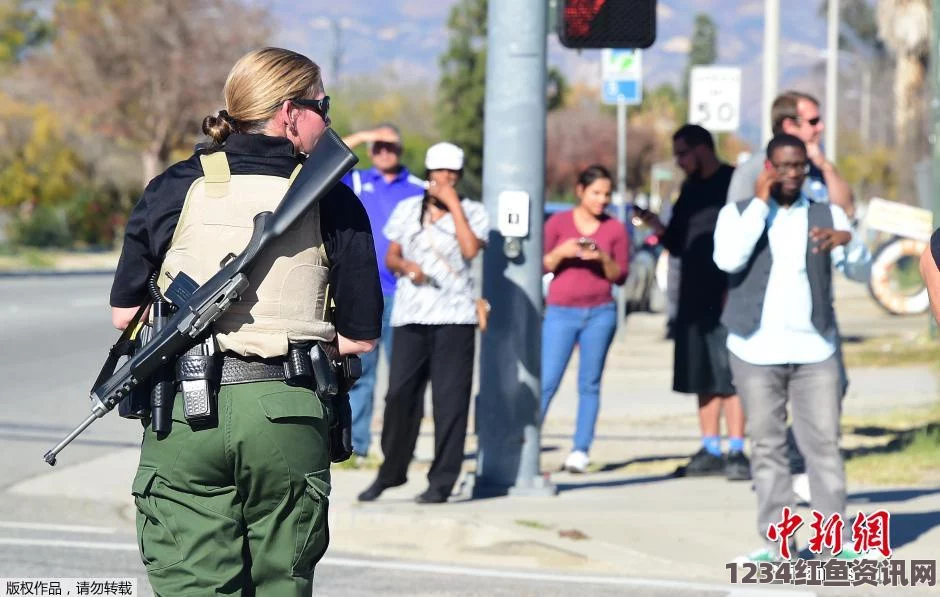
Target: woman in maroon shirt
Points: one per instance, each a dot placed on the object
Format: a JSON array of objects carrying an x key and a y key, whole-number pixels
[{"x": 587, "y": 251}]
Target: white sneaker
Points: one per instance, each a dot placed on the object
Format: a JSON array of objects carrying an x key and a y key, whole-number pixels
[
  {"x": 577, "y": 462},
  {"x": 801, "y": 487}
]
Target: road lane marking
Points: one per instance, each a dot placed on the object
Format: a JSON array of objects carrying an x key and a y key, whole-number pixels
[
  {"x": 65, "y": 528},
  {"x": 539, "y": 576},
  {"x": 730, "y": 590},
  {"x": 68, "y": 544}
]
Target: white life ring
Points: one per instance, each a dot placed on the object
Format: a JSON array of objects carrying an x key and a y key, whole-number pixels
[{"x": 881, "y": 285}]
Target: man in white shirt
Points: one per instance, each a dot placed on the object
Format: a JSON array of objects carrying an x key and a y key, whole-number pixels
[
  {"x": 797, "y": 113},
  {"x": 779, "y": 249}
]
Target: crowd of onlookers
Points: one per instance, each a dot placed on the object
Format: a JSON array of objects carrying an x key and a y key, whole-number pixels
[{"x": 754, "y": 327}]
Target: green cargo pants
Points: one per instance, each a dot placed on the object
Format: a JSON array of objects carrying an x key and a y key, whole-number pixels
[{"x": 241, "y": 508}]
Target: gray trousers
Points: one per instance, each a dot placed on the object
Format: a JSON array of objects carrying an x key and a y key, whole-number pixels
[
  {"x": 797, "y": 463},
  {"x": 814, "y": 391}
]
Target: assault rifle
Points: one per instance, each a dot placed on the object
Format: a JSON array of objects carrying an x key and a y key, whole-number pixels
[{"x": 199, "y": 306}]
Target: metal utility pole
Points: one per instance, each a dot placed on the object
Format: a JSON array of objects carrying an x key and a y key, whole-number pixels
[
  {"x": 770, "y": 64},
  {"x": 508, "y": 405},
  {"x": 866, "y": 104},
  {"x": 336, "y": 54},
  {"x": 832, "y": 80}
]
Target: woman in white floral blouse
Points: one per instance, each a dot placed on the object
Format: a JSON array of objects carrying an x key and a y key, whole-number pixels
[{"x": 433, "y": 240}]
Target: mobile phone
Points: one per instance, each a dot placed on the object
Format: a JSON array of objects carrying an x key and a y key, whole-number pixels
[{"x": 587, "y": 243}]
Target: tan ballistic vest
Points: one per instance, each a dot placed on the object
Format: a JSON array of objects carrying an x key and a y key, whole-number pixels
[{"x": 287, "y": 295}]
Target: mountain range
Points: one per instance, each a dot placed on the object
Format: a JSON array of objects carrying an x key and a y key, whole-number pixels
[{"x": 403, "y": 39}]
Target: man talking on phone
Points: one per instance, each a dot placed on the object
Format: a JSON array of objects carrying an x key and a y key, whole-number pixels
[
  {"x": 796, "y": 113},
  {"x": 779, "y": 248}
]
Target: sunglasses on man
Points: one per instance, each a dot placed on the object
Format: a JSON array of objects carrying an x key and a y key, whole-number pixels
[
  {"x": 320, "y": 106},
  {"x": 811, "y": 121},
  {"x": 380, "y": 146}
]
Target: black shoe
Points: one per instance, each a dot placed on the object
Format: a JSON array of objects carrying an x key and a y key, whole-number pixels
[
  {"x": 430, "y": 497},
  {"x": 373, "y": 491},
  {"x": 703, "y": 464},
  {"x": 670, "y": 330},
  {"x": 737, "y": 466}
]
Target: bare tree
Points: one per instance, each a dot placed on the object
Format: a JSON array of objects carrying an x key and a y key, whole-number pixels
[
  {"x": 145, "y": 73},
  {"x": 580, "y": 136},
  {"x": 905, "y": 27}
]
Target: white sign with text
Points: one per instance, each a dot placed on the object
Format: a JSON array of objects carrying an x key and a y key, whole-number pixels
[{"x": 715, "y": 97}]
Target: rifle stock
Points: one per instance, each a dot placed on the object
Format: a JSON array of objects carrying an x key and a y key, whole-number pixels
[{"x": 323, "y": 169}]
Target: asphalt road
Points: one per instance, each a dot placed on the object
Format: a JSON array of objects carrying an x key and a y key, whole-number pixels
[
  {"x": 55, "y": 334},
  {"x": 30, "y": 551}
]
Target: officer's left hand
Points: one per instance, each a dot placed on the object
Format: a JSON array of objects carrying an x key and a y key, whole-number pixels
[{"x": 827, "y": 239}]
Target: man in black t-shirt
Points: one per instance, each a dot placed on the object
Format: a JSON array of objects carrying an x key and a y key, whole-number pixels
[{"x": 701, "y": 357}]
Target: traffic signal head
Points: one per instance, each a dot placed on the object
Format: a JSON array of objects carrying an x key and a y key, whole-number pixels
[{"x": 607, "y": 23}]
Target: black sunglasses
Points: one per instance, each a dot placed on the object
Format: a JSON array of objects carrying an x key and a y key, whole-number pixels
[
  {"x": 380, "y": 146},
  {"x": 320, "y": 106},
  {"x": 811, "y": 121}
]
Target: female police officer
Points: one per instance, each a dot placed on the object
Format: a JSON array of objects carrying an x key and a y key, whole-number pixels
[{"x": 240, "y": 507}]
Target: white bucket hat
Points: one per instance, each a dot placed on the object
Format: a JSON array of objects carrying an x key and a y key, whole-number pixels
[{"x": 444, "y": 156}]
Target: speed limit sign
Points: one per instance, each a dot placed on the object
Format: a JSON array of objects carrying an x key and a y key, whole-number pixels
[{"x": 715, "y": 97}]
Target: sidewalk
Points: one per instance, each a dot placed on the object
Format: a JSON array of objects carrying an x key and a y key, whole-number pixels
[{"x": 631, "y": 517}]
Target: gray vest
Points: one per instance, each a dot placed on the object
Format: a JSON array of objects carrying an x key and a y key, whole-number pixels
[{"x": 746, "y": 289}]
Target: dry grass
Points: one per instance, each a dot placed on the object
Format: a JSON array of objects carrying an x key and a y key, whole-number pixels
[
  {"x": 898, "y": 448},
  {"x": 893, "y": 352}
]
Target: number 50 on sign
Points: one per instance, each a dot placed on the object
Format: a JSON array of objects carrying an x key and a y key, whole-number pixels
[{"x": 715, "y": 97}]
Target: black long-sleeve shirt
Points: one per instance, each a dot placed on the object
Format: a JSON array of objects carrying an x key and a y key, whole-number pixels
[
  {"x": 344, "y": 225},
  {"x": 690, "y": 236}
]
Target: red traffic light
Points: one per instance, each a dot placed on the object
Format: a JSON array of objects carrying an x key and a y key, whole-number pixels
[{"x": 607, "y": 23}]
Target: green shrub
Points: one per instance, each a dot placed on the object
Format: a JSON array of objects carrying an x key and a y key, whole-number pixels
[
  {"x": 44, "y": 227},
  {"x": 90, "y": 216}
]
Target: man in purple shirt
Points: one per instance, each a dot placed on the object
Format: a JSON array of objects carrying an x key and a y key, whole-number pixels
[{"x": 380, "y": 188}]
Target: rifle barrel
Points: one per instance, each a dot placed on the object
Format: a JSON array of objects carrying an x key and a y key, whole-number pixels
[{"x": 51, "y": 454}]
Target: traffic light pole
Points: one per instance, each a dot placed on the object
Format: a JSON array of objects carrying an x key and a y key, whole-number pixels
[{"x": 508, "y": 405}]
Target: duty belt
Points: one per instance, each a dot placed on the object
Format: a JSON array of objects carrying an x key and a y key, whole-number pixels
[{"x": 238, "y": 369}]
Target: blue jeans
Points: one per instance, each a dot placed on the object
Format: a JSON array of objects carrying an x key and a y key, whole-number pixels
[
  {"x": 362, "y": 395},
  {"x": 592, "y": 329}
]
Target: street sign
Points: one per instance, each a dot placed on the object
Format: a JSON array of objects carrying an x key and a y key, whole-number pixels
[
  {"x": 896, "y": 218},
  {"x": 622, "y": 73},
  {"x": 715, "y": 97},
  {"x": 661, "y": 172}
]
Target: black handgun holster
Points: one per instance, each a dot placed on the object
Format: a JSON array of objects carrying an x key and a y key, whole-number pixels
[
  {"x": 332, "y": 387},
  {"x": 341, "y": 447}
]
